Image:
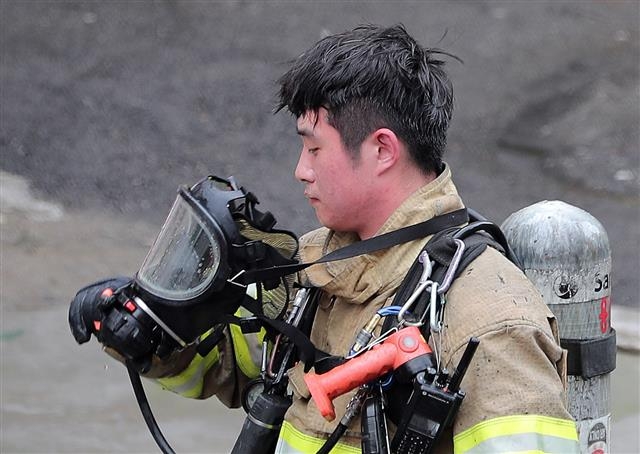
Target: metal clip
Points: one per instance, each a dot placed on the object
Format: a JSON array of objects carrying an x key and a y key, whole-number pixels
[
  {"x": 436, "y": 325},
  {"x": 423, "y": 283},
  {"x": 298, "y": 306},
  {"x": 426, "y": 266},
  {"x": 453, "y": 267},
  {"x": 232, "y": 280}
]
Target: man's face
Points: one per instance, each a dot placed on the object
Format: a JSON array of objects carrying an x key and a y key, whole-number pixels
[{"x": 336, "y": 185}]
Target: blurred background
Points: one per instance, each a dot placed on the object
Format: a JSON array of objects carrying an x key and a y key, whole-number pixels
[{"x": 106, "y": 107}]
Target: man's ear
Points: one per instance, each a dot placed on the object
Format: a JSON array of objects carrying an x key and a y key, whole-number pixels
[{"x": 388, "y": 147}]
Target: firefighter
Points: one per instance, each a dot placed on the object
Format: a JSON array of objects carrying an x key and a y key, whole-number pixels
[{"x": 372, "y": 108}]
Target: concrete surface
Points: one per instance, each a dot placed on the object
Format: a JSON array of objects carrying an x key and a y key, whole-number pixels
[{"x": 105, "y": 107}]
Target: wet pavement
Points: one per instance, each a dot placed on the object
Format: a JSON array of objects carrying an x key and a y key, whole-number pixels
[{"x": 106, "y": 107}]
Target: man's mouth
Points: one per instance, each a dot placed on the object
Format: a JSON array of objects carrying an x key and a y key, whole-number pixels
[{"x": 310, "y": 198}]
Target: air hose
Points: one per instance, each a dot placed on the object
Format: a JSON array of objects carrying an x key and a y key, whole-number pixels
[
  {"x": 332, "y": 441},
  {"x": 145, "y": 409}
]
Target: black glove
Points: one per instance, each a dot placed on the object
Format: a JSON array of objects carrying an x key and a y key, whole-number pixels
[{"x": 85, "y": 310}]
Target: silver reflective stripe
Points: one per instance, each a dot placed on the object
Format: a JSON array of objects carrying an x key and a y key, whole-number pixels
[
  {"x": 526, "y": 442},
  {"x": 282, "y": 447}
]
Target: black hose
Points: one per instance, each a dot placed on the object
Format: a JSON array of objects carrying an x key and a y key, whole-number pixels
[
  {"x": 147, "y": 414},
  {"x": 333, "y": 439}
]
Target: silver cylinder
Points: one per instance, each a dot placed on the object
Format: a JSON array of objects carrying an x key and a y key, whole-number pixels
[{"x": 565, "y": 252}]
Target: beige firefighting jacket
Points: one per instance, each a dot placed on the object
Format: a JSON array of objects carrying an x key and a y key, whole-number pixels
[{"x": 515, "y": 386}]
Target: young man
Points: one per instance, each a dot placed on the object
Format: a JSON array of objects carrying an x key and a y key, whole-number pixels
[{"x": 372, "y": 108}]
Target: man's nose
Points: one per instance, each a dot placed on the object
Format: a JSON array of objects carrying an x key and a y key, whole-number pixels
[{"x": 303, "y": 171}]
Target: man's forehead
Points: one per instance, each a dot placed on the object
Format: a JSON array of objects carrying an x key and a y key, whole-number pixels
[
  {"x": 304, "y": 127},
  {"x": 307, "y": 122}
]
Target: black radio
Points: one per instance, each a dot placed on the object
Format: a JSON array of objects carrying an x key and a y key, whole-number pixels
[{"x": 431, "y": 407}]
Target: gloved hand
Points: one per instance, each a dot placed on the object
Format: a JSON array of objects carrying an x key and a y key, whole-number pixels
[{"x": 85, "y": 309}]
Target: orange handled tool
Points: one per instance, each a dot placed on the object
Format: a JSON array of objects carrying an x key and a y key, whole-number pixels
[{"x": 395, "y": 351}]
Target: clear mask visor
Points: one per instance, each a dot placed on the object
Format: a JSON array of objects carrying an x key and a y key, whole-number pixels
[{"x": 186, "y": 256}]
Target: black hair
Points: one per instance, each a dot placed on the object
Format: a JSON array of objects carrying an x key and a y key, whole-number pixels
[{"x": 372, "y": 77}]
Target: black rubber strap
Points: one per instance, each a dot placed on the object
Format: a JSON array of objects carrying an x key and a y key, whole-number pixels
[
  {"x": 377, "y": 243},
  {"x": 209, "y": 343},
  {"x": 306, "y": 349},
  {"x": 588, "y": 358}
]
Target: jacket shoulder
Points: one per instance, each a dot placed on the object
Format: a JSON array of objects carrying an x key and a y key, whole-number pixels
[
  {"x": 492, "y": 292},
  {"x": 518, "y": 367}
]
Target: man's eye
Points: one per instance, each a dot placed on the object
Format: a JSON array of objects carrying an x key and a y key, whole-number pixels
[{"x": 313, "y": 150}]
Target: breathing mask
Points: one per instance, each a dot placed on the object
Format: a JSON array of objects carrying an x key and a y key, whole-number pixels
[{"x": 194, "y": 274}]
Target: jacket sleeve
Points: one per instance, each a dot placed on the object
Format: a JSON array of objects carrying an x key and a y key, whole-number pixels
[
  {"x": 515, "y": 386},
  {"x": 223, "y": 372},
  {"x": 226, "y": 369}
]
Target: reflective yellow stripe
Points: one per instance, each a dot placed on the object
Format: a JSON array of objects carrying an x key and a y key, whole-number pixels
[
  {"x": 247, "y": 348},
  {"x": 519, "y": 433},
  {"x": 189, "y": 382},
  {"x": 247, "y": 351},
  {"x": 291, "y": 441},
  {"x": 243, "y": 351}
]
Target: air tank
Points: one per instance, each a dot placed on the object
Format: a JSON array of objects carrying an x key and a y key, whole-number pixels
[{"x": 565, "y": 252}]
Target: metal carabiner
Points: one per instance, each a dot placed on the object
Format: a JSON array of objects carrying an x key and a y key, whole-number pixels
[
  {"x": 435, "y": 325},
  {"x": 453, "y": 267},
  {"x": 426, "y": 266},
  {"x": 423, "y": 283}
]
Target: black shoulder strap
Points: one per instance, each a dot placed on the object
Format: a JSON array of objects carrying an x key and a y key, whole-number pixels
[
  {"x": 384, "y": 241},
  {"x": 477, "y": 235}
]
